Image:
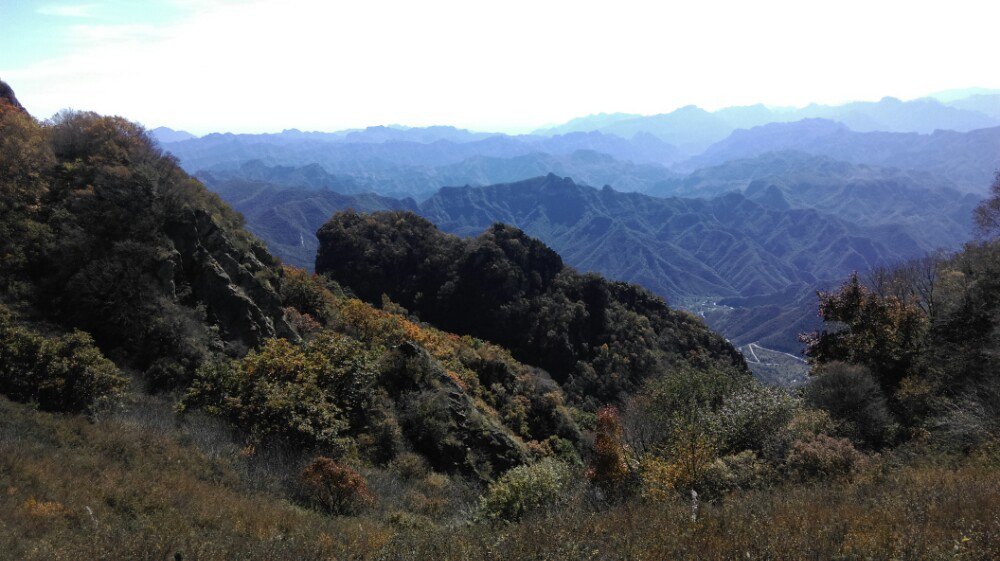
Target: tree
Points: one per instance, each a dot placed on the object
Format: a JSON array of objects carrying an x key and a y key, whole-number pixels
[
  {"x": 609, "y": 468},
  {"x": 885, "y": 334}
]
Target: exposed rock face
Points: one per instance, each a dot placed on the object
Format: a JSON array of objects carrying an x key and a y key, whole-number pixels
[
  {"x": 443, "y": 422},
  {"x": 7, "y": 96},
  {"x": 229, "y": 280}
]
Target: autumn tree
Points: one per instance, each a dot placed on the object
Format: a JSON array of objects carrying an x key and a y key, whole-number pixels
[
  {"x": 609, "y": 468},
  {"x": 334, "y": 487}
]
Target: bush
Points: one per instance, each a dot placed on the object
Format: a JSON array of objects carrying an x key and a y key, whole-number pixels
[
  {"x": 821, "y": 457},
  {"x": 679, "y": 466},
  {"x": 308, "y": 294},
  {"x": 410, "y": 466},
  {"x": 735, "y": 472},
  {"x": 807, "y": 423},
  {"x": 751, "y": 416},
  {"x": 335, "y": 488},
  {"x": 66, "y": 373},
  {"x": 304, "y": 394},
  {"x": 852, "y": 396},
  {"x": 527, "y": 490}
]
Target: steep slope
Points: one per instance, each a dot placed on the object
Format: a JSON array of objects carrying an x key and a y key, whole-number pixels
[{"x": 104, "y": 234}]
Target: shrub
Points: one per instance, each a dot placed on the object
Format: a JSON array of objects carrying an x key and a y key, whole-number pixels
[
  {"x": 308, "y": 294},
  {"x": 271, "y": 393},
  {"x": 851, "y": 395},
  {"x": 683, "y": 396},
  {"x": 970, "y": 421},
  {"x": 410, "y": 466},
  {"x": 807, "y": 423},
  {"x": 660, "y": 478},
  {"x": 65, "y": 373},
  {"x": 734, "y": 472},
  {"x": 822, "y": 456},
  {"x": 527, "y": 490},
  {"x": 750, "y": 417},
  {"x": 335, "y": 488}
]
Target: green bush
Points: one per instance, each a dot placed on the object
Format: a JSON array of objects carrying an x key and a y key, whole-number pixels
[
  {"x": 851, "y": 395},
  {"x": 65, "y": 373},
  {"x": 527, "y": 490},
  {"x": 306, "y": 394}
]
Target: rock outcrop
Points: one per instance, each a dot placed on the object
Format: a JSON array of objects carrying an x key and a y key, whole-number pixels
[
  {"x": 230, "y": 280},
  {"x": 443, "y": 422}
]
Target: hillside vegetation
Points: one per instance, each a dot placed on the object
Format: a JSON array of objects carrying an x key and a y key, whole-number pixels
[{"x": 600, "y": 339}]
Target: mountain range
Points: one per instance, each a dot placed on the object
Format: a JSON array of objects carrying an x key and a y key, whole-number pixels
[
  {"x": 693, "y": 129},
  {"x": 744, "y": 259},
  {"x": 739, "y": 214},
  {"x": 968, "y": 159}
]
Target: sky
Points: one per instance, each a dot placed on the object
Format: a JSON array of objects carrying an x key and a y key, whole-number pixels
[{"x": 510, "y": 65}]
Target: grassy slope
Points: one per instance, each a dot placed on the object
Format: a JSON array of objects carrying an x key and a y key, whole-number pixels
[{"x": 157, "y": 488}]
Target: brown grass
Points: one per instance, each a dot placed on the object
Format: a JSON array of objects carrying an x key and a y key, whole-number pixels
[{"x": 156, "y": 489}]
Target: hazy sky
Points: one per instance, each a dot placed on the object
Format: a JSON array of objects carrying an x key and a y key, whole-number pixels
[{"x": 505, "y": 65}]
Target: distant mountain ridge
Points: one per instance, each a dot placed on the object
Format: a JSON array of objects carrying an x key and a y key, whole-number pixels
[
  {"x": 967, "y": 159},
  {"x": 679, "y": 248},
  {"x": 930, "y": 208},
  {"x": 165, "y": 134},
  {"x": 694, "y": 129},
  {"x": 338, "y": 153},
  {"x": 913, "y": 211}
]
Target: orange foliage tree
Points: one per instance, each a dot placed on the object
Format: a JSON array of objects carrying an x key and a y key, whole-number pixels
[{"x": 609, "y": 468}]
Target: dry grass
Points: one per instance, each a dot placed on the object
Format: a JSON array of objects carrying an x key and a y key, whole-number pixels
[
  {"x": 156, "y": 490},
  {"x": 151, "y": 498},
  {"x": 913, "y": 514}
]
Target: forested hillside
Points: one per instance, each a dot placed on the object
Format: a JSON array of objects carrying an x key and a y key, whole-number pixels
[{"x": 599, "y": 339}]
